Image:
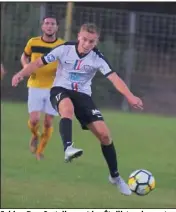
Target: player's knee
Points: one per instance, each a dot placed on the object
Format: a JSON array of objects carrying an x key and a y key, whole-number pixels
[
  {"x": 66, "y": 109},
  {"x": 34, "y": 118},
  {"x": 47, "y": 123},
  {"x": 67, "y": 113},
  {"x": 104, "y": 138},
  {"x": 34, "y": 121}
]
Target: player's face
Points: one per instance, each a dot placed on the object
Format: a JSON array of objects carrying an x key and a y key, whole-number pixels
[
  {"x": 49, "y": 26},
  {"x": 87, "y": 41}
]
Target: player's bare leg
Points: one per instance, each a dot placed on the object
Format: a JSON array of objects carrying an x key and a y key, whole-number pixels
[
  {"x": 45, "y": 136},
  {"x": 100, "y": 130},
  {"x": 66, "y": 111},
  {"x": 33, "y": 124}
]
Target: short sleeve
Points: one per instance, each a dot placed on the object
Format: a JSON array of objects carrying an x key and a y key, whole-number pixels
[
  {"x": 103, "y": 66},
  {"x": 27, "y": 49},
  {"x": 53, "y": 55}
]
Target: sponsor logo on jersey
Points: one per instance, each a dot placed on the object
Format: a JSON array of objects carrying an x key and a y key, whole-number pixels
[
  {"x": 75, "y": 86},
  {"x": 88, "y": 68},
  {"x": 77, "y": 65},
  {"x": 96, "y": 112},
  {"x": 50, "y": 58},
  {"x": 74, "y": 76},
  {"x": 69, "y": 61}
]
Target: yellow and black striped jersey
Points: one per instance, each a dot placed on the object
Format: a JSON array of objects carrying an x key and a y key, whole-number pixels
[{"x": 44, "y": 76}]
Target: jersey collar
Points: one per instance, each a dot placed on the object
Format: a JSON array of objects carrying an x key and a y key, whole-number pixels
[
  {"x": 48, "y": 41},
  {"x": 80, "y": 55}
]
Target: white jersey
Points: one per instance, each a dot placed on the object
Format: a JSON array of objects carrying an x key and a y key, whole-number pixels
[{"x": 75, "y": 71}]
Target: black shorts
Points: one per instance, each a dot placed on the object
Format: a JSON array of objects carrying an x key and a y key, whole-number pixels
[{"x": 85, "y": 110}]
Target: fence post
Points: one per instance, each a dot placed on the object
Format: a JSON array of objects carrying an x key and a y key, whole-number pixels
[
  {"x": 129, "y": 57},
  {"x": 68, "y": 22},
  {"x": 42, "y": 14}
]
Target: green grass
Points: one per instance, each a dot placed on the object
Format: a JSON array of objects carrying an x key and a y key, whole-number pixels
[{"x": 142, "y": 141}]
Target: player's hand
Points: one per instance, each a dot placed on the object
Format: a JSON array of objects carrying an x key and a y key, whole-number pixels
[
  {"x": 3, "y": 72},
  {"x": 135, "y": 102},
  {"x": 16, "y": 79},
  {"x": 25, "y": 65}
]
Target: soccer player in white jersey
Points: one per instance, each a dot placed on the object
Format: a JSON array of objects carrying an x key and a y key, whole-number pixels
[{"x": 71, "y": 93}]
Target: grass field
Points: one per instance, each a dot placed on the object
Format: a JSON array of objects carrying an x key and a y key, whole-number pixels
[{"x": 142, "y": 142}]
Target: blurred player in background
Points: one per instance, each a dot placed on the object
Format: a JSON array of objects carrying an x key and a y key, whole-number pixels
[
  {"x": 71, "y": 94},
  {"x": 2, "y": 71},
  {"x": 39, "y": 84}
]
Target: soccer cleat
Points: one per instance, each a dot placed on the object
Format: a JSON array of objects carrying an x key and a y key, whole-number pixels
[
  {"x": 123, "y": 187},
  {"x": 33, "y": 144},
  {"x": 72, "y": 152},
  {"x": 39, "y": 156}
]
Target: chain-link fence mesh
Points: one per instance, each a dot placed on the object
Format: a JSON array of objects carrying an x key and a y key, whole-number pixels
[{"x": 140, "y": 46}]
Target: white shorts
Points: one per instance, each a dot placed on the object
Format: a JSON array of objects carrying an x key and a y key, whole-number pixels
[{"x": 39, "y": 100}]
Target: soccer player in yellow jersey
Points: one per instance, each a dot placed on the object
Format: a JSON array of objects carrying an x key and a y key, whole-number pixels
[{"x": 39, "y": 84}]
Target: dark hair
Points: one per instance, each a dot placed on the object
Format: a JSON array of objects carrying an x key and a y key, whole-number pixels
[
  {"x": 91, "y": 28},
  {"x": 51, "y": 16}
]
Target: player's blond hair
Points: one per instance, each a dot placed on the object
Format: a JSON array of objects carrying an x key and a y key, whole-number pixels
[{"x": 91, "y": 28}]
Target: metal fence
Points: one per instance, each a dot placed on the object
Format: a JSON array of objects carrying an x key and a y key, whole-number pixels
[{"x": 140, "y": 46}]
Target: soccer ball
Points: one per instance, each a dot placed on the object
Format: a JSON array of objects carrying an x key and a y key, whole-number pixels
[{"x": 141, "y": 182}]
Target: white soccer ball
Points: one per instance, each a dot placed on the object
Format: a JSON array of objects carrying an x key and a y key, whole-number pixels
[{"x": 141, "y": 182}]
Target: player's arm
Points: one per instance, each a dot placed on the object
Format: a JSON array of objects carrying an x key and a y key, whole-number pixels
[
  {"x": 119, "y": 84},
  {"x": 26, "y": 71},
  {"x": 24, "y": 59},
  {"x": 32, "y": 66},
  {"x": 2, "y": 71}
]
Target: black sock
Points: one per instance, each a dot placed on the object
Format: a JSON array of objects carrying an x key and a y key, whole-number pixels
[
  {"x": 111, "y": 159},
  {"x": 65, "y": 129}
]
